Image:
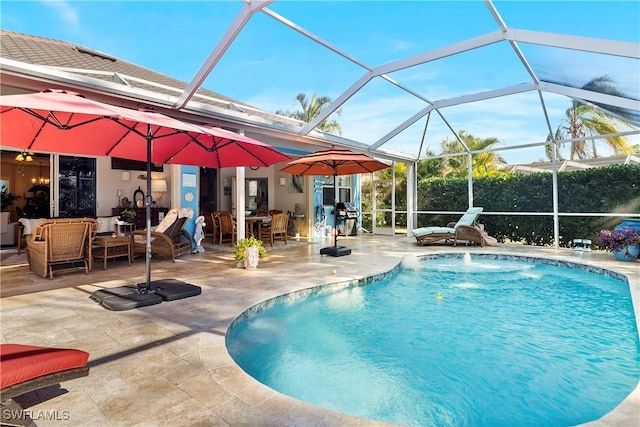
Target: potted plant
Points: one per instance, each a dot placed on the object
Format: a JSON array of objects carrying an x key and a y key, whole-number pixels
[
  {"x": 247, "y": 252},
  {"x": 7, "y": 199},
  {"x": 128, "y": 215},
  {"x": 623, "y": 242}
]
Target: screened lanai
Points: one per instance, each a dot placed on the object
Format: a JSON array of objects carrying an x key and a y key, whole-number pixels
[
  {"x": 504, "y": 70},
  {"x": 402, "y": 76}
]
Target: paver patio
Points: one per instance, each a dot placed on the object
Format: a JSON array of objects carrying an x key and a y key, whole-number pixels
[{"x": 167, "y": 364}]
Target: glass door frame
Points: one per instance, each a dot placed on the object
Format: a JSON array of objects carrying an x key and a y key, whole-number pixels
[
  {"x": 54, "y": 170},
  {"x": 388, "y": 230}
]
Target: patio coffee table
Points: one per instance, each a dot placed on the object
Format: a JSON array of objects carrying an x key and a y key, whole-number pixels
[{"x": 107, "y": 247}]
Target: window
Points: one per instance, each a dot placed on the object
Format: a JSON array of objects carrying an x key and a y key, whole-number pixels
[{"x": 344, "y": 189}]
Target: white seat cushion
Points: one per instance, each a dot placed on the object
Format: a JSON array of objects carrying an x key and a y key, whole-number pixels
[
  {"x": 419, "y": 232},
  {"x": 29, "y": 224},
  {"x": 107, "y": 224}
]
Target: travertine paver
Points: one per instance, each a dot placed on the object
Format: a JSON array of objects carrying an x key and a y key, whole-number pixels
[{"x": 168, "y": 365}]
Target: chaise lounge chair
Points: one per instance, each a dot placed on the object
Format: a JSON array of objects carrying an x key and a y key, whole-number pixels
[
  {"x": 168, "y": 238},
  {"x": 428, "y": 235},
  {"x": 25, "y": 368},
  {"x": 474, "y": 234}
]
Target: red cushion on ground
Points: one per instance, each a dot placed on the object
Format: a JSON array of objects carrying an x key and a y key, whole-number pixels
[{"x": 19, "y": 363}]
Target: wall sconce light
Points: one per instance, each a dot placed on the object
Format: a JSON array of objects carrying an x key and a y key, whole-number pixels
[
  {"x": 283, "y": 181},
  {"x": 125, "y": 176}
]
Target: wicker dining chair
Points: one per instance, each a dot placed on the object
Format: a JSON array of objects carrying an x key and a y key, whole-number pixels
[
  {"x": 227, "y": 227},
  {"x": 277, "y": 228}
]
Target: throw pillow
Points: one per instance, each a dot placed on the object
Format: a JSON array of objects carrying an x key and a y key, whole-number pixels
[{"x": 106, "y": 224}]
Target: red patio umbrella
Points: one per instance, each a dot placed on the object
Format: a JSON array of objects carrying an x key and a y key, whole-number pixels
[
  {"x": 334, "y": 162},
  {"x": 223, "y": 149},
  {"x": 34, "y": 122},
  {"x": 65, "y": 122}
]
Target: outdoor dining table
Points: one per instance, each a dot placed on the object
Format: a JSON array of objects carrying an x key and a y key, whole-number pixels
[{"x": 250, "y": 222}]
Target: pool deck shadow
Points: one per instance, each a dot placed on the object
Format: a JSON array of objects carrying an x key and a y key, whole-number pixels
[{"x": 167, "y": 364}]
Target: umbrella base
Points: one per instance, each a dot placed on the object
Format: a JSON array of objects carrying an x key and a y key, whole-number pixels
[
  {"x": 172, "y": 289},
  {"x": 124, "y": 298},
  {"x": 130, "y": 297},
  {"x": 335, "y": 251}
]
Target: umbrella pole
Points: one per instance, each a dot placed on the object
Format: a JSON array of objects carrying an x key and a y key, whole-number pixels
[
  {"x": 335, "y": 208},
  {"x": 335, "y": 250},
  {"x": 147, "y": 201}
]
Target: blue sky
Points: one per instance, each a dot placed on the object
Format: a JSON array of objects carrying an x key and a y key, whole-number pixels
[{"x": 268, "y": 64}]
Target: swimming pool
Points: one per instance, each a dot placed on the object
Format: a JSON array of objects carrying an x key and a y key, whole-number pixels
[{"x": 487, "y": 342}]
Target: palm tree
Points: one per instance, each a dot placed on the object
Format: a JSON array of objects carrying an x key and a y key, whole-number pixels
[
  {"x": 582, "y": 120},
  {"x": 482, "y": 164},
  {"x": 311, "y": 108}
]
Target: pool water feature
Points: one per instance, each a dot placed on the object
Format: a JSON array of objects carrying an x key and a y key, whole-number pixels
[{"x": 458, "y": 341}]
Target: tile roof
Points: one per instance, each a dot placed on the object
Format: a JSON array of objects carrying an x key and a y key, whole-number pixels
[{"x": 90, "y": 63}]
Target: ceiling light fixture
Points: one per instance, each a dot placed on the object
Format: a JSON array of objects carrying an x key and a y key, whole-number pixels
[{"x": 25, "y": 157}]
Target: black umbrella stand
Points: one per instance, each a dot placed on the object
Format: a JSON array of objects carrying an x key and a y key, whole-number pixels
[
  {"x": 150, "y": 292},
  {"x": 335, "y": 250}
]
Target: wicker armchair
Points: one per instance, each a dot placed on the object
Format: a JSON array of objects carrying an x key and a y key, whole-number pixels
[
  {"x": 277, "y": 228},
  {"x": 62, "y": 241},
  {"x": 172, "y": 241}
]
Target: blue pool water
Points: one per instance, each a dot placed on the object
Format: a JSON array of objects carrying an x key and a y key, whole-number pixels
[{"x": 454, "y": 343}]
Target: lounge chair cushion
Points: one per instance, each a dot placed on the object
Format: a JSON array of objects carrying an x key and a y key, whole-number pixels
[
  {"x": 20, "y": 363},
  {"x": 469, "y": 217},
  {"x": 419, "y": 232}
]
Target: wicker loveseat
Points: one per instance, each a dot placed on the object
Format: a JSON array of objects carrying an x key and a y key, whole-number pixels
[{"x": 61, "y": 241}]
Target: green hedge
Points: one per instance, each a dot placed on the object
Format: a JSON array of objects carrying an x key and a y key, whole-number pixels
[{"x": 606, "y": 189}]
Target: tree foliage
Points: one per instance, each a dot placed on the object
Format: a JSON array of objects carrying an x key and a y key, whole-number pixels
[
  {"x": 614, "y": 188},
  {"x": 455, "y": 166},
  {"x": 311, "y": 108},
  {"x": 582, "y": 120}
]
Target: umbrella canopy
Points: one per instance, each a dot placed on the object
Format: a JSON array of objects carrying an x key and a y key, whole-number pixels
[
  {"x": 223, "y": 149},
  {"x": 334, "y": 162},
  {"x": 34, "y": 122},
  {"x": 66, "y": 122}
]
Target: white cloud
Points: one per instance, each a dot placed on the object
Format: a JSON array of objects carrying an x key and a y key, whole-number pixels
[{"x": 64, "y": 10}]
